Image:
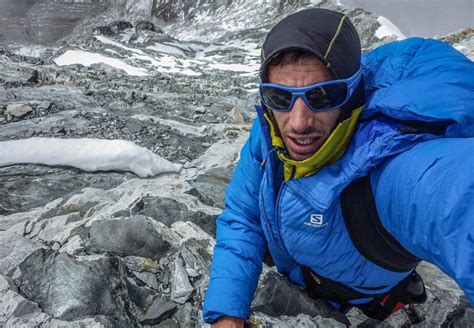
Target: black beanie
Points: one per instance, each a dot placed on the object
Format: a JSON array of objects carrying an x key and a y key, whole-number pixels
[{"x": 326, "y": 34}]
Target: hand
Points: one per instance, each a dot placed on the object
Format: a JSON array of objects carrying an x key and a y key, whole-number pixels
[{"x": 228, "y": 322}]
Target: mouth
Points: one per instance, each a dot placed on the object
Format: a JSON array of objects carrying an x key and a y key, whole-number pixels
[
  {"x": 306, "y": 141},
  {"x": 302, "y": 147}
]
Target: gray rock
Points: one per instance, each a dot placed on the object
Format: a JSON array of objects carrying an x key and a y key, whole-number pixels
[
  {"x": 13, "y": 250},
  {"x": 435, "y": 278},
  {"x": 463, "y": 41},
  {"x": 169, "y": 323},
  {"x": 181, "y": 288},
  {"x": 47, "y": 22},
  {"x": 137, "y": 263},
  {"x": 439, "y": 308},
  {"x": 44, "y": 106},
  {"x": 466, "y": 319},
  {"x": 18, "y": 110},
  {"x": 70, "y": 289},
  {"x": 160, "y": 310},
  {"x": 98, "y": 321},
  {"x": 200, "y": 110},
  {"x": 133, "y": 126},
  {"x": 103, "y": 30},
  {"x": 444, "y": 305},
  {"x": 145, "y": 25},
  {"x": 25, "y": 187},
  {"x": 187, "y": 316},
  {"x": 120, "y": 26},
  {"x": 26, "y": 134},
  {"x": 74, "y": 245},
  {"x": 147, "y": 278},
  {"x": 212, "y": 185},
  {"x": 138, "y": 236},
  {"x": 168, "y": 211},
  {"x": 55, "y": 230},
  {"x": 142, "y": 296},
  {"x": 197, "y": 258},
  {"x": 16, "y": 311},
  {"x": 300, "y": 321},
  {"x": 276, "y": 296},
  {"x": 6, "y": 283}
]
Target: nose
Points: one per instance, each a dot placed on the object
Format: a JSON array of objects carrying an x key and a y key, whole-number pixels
[{"x": 301, "y": 117}]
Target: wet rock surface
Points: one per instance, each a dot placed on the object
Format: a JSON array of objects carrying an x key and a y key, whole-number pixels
[
  {"x": 25, "y": 187},
  {"x": 80, "y": 249},
  {"x": 68, "y": 288},
  {"x": 138, "y": 236},
  {"x": 278, "y": 297}
]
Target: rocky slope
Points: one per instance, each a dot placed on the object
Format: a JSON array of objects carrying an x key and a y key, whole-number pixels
[{"x": 108, "y": 248}]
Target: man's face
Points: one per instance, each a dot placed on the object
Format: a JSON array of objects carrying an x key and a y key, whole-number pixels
[{"x": 302, "y": 130}]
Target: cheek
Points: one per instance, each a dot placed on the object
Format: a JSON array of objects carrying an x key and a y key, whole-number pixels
[
  {"x": 329, "y": 120},
  {"x": 280, "y": 120}
]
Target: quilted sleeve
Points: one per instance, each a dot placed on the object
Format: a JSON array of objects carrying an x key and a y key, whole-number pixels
[
  {"x": 425, "y": 198},
  {"x": 421, "y": 79},
  {"x": 240, "y": 243}
]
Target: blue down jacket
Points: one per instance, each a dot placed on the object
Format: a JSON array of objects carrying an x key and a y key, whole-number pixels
[{"x": 423, "y": 186}]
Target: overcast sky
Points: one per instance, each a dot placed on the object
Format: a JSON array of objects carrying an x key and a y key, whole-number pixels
[{"x": 426, "y": 18}]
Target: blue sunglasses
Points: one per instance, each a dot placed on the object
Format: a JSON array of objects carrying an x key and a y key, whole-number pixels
[{"x": 319, "y": 97}]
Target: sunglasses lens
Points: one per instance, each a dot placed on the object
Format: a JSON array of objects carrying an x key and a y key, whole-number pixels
[
  {"x": 276, "y": 99},
  {"x": 328, "y": 96}
]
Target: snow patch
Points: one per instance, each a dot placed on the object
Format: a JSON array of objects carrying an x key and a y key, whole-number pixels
[
  {"x": 167, "y": 49},
  {"x": 86, "y": 154},
  {"x": 163, "y": 62},
  {"x": 105, "y": 40},
  {"x": 387, "y": 28},
  {"x": 250, "y": 68},
  {"x": 29, "y": 50},
  {"x": 85, "y": 58}
]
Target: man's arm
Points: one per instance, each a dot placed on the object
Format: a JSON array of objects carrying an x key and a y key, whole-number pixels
[
  {"x": 240, "y": 243},
  {"x": 425, "y": 199}
]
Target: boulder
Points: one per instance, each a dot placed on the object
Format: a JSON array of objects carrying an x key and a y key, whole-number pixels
[
  {"x": 119, "y": 26},
  {"x": 138, "y": 236},
  {"x": 145, "y": 25},
  {"x": 103, "y": 30},
  {"x": 181, "y": 288},
  {"x": 300, "y": 321},
  {"x": 211, "y": 185},
  {"x": 69, "y": 288},
  {"x": 16, "y": 311},
  {"x": 168, "y": 211},
  {"x": 276, "y": 296},
  {"x": 18, "y": 110},
  {"x": 160, "y": 310},
  {"x": 14, "y": 248}
]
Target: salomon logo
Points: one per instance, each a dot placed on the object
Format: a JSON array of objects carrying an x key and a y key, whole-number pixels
[{"x": 316, "y": 221}]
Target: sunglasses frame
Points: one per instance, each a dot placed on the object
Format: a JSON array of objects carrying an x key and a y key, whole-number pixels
[{"x": 296, "y": 92}]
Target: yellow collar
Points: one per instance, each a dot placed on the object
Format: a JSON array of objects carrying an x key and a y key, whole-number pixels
[{"x": 333, "y": 148}]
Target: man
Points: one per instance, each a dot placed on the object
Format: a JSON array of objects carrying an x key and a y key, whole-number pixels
[{"x": 347, "y": 186}]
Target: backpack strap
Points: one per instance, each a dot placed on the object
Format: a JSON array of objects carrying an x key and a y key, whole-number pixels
[{"x": 366, "y": 231}]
